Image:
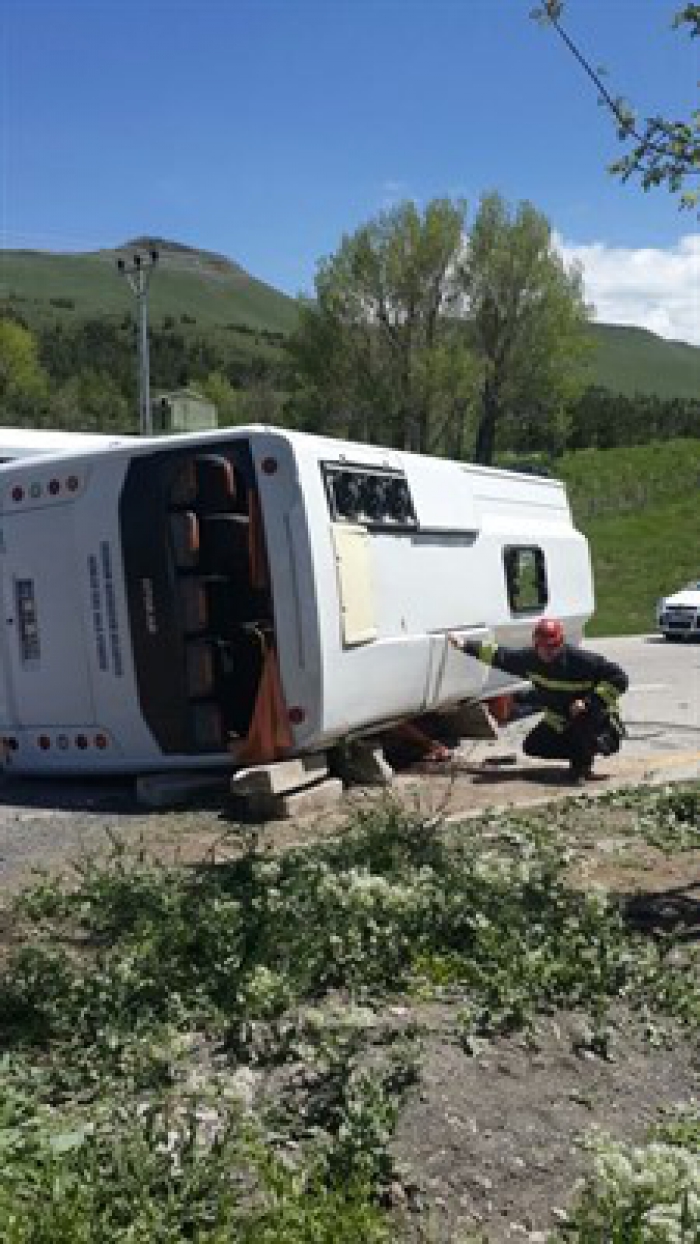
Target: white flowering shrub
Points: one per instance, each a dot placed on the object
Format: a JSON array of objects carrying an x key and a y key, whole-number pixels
[{"x": 644, "y": 1194}]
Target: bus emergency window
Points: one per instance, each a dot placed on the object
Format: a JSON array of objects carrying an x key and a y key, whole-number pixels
[{"x": 526, "y": 578}]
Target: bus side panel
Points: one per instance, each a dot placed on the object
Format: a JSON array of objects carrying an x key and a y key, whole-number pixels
[{"x": 422, "y": 583}]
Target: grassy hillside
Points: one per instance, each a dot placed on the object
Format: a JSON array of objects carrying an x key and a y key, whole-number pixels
[
  {"x": 204, "y": 292},
  {"x": 632, "y": 360},
  {"x": 198, "y": 285},
  {"x": 639, "y": 509}
]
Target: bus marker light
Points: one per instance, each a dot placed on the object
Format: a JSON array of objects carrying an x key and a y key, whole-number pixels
[
  {"x": 101, "y": 741},
  {"x": 17, "y": 493},
  {"x": 297, "y": 714},
  {"x": 54, "y": 487},
  {"x": 269, "y": 465},
  {"x": 44, "y": 742},
  {"x": 81, "y": 742},
  {"x": 72, "y": 483}
]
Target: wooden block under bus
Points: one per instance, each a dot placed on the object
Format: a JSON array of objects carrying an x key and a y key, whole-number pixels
[{"x": 184, "y": 536}]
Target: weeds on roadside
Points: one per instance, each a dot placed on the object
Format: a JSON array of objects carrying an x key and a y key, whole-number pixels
[
  {"x": 152, "y": 1174},
  {"x": 129, "y": 963},
  {"x": 391, "y": 904}
]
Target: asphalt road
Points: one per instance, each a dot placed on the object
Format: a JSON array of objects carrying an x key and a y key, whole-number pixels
[
  {"x": 661, "y": 711},
  {"x": 662, "y": 707}
]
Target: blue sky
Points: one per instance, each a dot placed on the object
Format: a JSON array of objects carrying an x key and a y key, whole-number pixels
[{"x": 265, "y": 129}]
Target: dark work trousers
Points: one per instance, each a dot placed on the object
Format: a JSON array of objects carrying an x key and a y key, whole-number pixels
[{"x": 576, "y": 742}]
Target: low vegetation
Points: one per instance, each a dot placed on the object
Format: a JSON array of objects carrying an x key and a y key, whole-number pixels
[
  {"x": 637, "y": 506},
  {"x": 143, "y": 1006}
]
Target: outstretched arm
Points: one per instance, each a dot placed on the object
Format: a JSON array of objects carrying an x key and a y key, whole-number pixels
[{"x": 470, "y": 647}]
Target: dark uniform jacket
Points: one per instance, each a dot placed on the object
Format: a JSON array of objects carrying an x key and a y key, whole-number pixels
[{"x": 574, "y": 674}]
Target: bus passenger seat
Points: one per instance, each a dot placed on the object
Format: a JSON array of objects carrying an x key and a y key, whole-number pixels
[
  {"x": 184, "y": 534},
  {"x": 183, "y": 487},
  {"x": 225, "y": 545},
  {"x": 216, "y": 483},
  {"x": 194, "y": 605},
  {"x": 200, "y": 669},
  {"x": 231, "y": 605},
  {"x": 207, "y": 727}
]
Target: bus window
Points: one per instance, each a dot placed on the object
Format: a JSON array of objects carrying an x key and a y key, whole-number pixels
[{"x": 526, "y": 578}]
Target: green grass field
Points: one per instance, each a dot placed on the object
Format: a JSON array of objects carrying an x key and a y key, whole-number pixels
[
  {"x": 639, "y": 557},
  {"x": 639, "y": 509}
]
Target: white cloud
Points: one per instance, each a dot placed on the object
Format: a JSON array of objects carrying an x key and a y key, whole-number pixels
[{"x": 650, "y": 288}]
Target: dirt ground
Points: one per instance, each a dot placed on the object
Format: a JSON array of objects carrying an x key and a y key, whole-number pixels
[
  {"x": 493, "y": 1143},
  {"x": 489, "y": 1145}
]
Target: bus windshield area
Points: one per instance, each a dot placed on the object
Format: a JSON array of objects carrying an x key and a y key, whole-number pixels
[{"x": 198, "y": 590}]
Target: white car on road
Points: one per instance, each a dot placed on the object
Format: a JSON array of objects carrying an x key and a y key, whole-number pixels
[{"x": 678, "y": 616}]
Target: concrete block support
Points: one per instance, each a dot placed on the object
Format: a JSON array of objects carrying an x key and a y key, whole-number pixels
[
  {"x": 280, "y": 777},
  {"x": 309, "y": 800},
  {"x": 360, "y": 764}
]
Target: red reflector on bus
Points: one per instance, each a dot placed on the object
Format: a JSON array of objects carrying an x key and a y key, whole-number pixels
[
  {"x": 101, "y": 741},
  {"x": 297, "y": 714},
  {"x": 44, "y": 742},
  {"x": 269, "y": 465}
]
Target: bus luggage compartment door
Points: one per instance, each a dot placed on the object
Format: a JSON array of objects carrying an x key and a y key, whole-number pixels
[{"x": 44, "y": 640}]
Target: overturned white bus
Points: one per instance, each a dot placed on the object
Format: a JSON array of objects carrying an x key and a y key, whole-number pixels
[{"x": 225, "y": 597}]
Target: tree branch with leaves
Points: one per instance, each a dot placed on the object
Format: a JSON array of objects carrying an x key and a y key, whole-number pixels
[{"x": 659, "y": 151}]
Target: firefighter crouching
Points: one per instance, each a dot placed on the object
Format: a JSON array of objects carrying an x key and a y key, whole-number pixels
[{"x": 577, "y": 689}]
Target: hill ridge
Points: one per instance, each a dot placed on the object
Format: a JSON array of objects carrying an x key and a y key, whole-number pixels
[{"x": 211, "y": 292}]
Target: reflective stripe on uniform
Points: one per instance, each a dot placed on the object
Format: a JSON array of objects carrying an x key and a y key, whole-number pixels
[
  {"x": 555, "y": 721},
  {"x": 487, "y": 652},
  {"x": 560, "y": 684},
  {"x": 607, "y": 693}
]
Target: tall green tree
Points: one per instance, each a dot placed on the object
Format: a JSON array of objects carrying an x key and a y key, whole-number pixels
[
  {"x": 526, "y": 319},
  {"x": 23, "y": 384},
  {"x": 658, "y": 150},
  {"x": 376, "y": 353}
]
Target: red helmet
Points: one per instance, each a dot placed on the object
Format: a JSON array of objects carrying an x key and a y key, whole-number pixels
[{"x": 549, "y": 633}]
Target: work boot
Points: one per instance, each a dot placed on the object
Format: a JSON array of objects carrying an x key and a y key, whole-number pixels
[{"x": 580, "y": 772}]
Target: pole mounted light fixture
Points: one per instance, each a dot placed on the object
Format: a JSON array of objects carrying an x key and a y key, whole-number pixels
[{"x": 138, "y": 272}]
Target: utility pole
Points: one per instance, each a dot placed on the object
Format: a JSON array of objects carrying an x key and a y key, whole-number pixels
[{"x": 138, "y": 272}]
